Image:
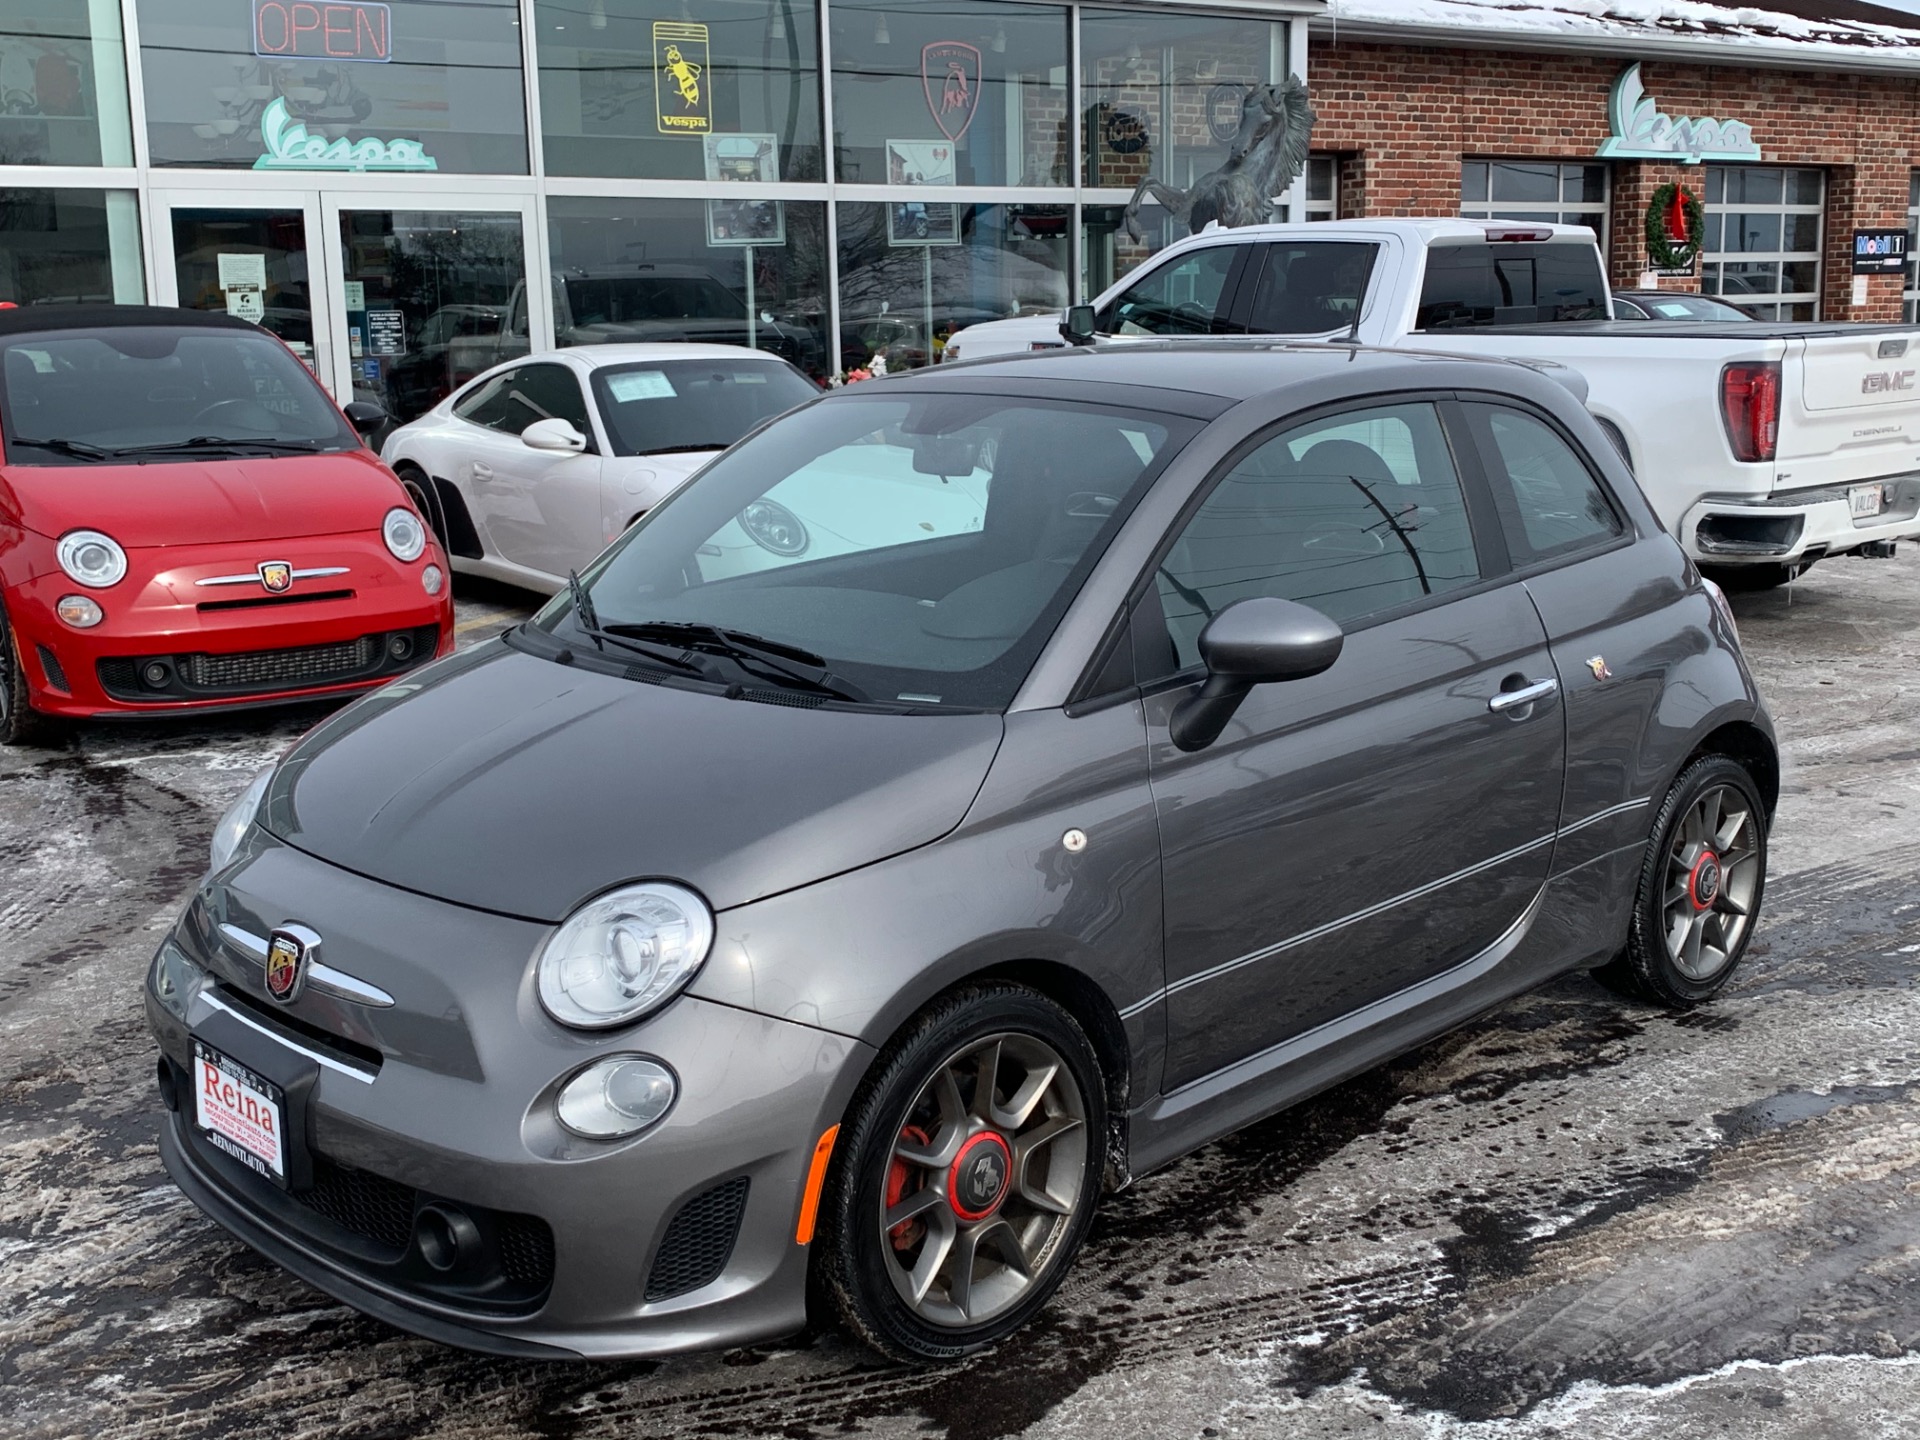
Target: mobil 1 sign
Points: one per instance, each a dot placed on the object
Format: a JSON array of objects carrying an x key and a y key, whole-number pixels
[{"x": 1879, "y": 252}]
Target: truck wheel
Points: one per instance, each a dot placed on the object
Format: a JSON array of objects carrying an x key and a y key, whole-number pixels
[
  {"x": 1754, "y": 577},
  {"x": 1701, "y": 882}
]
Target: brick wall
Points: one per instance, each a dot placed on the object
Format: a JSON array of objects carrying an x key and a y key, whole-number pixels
[{"x": 1402, "y": 117}]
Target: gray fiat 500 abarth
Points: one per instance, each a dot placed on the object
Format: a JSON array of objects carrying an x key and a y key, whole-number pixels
[{"x": 974, "y": 789}]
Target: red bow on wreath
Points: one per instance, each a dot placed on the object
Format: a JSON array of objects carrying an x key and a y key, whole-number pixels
[{"x": 1676, "y": 216}]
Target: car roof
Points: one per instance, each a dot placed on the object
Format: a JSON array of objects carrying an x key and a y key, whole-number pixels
[
  {"x": 41, "y": 318},
  {"x": 1231, "y": 370},
  {"x": 595, "y": 356}
]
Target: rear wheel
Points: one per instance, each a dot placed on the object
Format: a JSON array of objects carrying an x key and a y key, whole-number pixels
[
  {"x": 968, "y": 1174},
  {"x": 20, "y": 723},
  {"x": 1700, "y": 888}
]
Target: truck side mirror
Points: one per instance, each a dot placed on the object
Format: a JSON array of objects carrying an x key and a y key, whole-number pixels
[
  {"x": 1078, "y": 327},
  {"x": 1252, "y": 642}
]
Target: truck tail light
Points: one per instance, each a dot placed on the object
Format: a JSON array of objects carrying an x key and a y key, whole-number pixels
[{"x": 1750, "y": 406}]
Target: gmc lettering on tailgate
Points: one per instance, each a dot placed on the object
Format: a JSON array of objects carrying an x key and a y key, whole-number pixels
[{"x": 1879, "y": 382}]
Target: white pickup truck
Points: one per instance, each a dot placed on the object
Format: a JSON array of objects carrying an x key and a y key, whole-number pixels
[{"x": 1763, "y": 446}]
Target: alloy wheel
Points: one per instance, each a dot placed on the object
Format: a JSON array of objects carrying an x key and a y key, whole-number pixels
[
  {"x": 1712, "y": 877},
  {"x": 985, "y": 1176}
]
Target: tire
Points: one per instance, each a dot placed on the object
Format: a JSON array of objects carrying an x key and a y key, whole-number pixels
[
  {"x": 1691, "y": 919},
  {"x": 20, "y": 723},
  {"x": 1737, "y": 578},
  {"x": 913, "y": 1138},
  {"x": 420, "y": 490}
]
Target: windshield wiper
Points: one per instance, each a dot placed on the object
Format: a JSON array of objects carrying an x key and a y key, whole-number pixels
[
  {"x": 587, "y": 621},
  {"x": 77, "y": 448},
  {"x": 770, "y": 659},
  {"x": 219, "y": 442}
]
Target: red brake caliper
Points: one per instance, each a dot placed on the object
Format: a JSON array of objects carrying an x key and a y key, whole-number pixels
[{"x": 907, "y": 1233}]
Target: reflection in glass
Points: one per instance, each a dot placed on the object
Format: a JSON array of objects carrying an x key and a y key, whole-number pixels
[
  {"x": 432, "y": 300},
  {"x": 755, "y": 77},
  {"x": 1161, "y": 94},
  {"x": 272, "y": 291},
  {"x": 70, "y": 245},
  {"x": 63, "y": 84},
  {"x": 748, "y": 273},
  {"x": 903, "y": 296},
  {"x": 1108, "y": 253},
  {"x": 449, "y": 80},
  {"x": 974, "y": 93}
]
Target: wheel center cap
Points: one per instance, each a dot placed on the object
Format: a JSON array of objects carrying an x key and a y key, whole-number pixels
[
  {"x": 977, "y": 1181},
  {"x": 1703, "y": 885}
]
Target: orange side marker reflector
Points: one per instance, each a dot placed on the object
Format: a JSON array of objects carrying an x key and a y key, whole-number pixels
[{"x": 816, "y": 1178}]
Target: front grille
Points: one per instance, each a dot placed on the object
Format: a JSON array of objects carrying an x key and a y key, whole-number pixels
[
  {"x": 699, "y": 1241},
  {"x": 261, "y": 602},
  {"x": 50, "y": 667},
  {"x": 526, "y": 1249},
  {"x": 371, "y": 1206},
  {"x": 302, "y": 664}
]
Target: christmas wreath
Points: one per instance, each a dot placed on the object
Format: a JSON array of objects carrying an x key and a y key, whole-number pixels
[{"x": 1676, "y": 228}]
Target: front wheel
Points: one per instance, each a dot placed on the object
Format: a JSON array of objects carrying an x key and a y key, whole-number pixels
[
  {"x": 20, "y": 723},
  {"x": 970, "y": 1167},
  {"x": 1700, "y": 888}
]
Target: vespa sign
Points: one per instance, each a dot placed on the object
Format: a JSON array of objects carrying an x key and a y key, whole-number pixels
[{"x": 1641, "y": 131}]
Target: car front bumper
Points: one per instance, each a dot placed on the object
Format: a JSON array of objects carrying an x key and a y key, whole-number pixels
[{"x": 445, "y": 1100}]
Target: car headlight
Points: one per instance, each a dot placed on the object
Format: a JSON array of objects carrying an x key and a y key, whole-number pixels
[
  {"x": 624, "y": 954},
  {"x": 616, "y": 1097},
  {"x": 233, "y": 825},
  {"x": 772, "y": 526},
  {"x": 93, "y": 559},
  {"x": 406, "y": 537}
]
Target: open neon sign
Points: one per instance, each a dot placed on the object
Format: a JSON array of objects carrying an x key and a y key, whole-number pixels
[{"x": 323, "y": 30}]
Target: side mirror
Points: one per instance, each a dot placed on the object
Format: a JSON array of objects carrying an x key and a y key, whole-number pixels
[
  {"x": 1078, "y": 327},
  {"x": 1252, "y": 642},
  {"x": 365, "y": 416},
  {"x": 556, "y": 435}
]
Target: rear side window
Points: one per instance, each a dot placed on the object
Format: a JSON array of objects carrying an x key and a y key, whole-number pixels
[
  {"x": 1549, "y": 503},
  {"x": 1353, "y": 514},
  {"x": 1510, "y": 284},
  {"x": 1309, "y": 287}
]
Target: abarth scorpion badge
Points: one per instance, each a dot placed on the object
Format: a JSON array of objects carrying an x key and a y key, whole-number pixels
[{"x": 286, "y": 966}]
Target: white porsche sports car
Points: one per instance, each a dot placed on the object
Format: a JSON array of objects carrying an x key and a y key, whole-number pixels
[{"x": 533, "y": 467}]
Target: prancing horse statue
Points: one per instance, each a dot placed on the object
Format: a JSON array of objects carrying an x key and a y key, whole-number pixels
[{"x": 1269, "y": 150}]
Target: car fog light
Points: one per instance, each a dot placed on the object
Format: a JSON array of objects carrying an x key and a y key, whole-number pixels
[
  {"x": 79, "y": 611},
  {"x": 400, "y": 646},
  {"x": 614, "y": 1098},
  {"x": 156, "y": 674},
  {"x": 431, "y": 579}
]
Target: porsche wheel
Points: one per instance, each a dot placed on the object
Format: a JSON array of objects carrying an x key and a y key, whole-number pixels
[
  {"x": 971, "y": 1165},
  {"x": 420, "y": 490}
]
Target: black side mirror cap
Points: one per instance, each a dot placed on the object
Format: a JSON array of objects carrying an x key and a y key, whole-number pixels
[
  {"x": 1252, "y": 642},
  {"x": 1078, "y": 327},
  {"x": 364, "y": 415}
]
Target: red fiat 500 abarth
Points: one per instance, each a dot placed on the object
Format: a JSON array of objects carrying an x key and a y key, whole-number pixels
[{"x": 187, "y": 523}]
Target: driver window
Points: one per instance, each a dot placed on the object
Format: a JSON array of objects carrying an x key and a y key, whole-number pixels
[
  {"x": 1353, "y": 514},
  {"x": 514, "y": 399},
  {"x": 1181, "y": 298}
]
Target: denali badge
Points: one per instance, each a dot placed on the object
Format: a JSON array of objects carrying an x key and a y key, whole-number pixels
[
  {"x": 1879, "y": 382},
  {"x": 276, "y": 576},
  {"x": 286, "y": 966}
]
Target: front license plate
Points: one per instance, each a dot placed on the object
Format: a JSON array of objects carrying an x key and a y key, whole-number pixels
[
  {"x": 240, "y": 1112},
  {"x": 1865, "y": 500}
]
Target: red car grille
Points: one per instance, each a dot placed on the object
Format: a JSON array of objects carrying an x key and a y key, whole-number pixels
[
  {"x": 301, "y": 664},
  {"x": 158, "y": 678}
]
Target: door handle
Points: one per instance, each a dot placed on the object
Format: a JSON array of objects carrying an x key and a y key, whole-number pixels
[
  {"x": 1517, "y": 699},
  {"x": 482, "y": 472}
]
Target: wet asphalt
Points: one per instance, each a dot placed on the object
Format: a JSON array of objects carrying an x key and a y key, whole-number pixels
[{"x": 1574, "y": 1217}]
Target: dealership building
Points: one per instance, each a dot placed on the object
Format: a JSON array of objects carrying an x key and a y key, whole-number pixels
[{"x": 409, "y": 190}]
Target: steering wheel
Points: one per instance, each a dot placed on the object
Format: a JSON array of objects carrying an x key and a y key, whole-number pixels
[{"x": 247, "y": 414}]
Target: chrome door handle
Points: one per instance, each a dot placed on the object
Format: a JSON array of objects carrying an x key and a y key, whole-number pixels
[{"x": 1515, "y": 699}]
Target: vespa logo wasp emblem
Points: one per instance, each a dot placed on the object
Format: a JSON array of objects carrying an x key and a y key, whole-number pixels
[
  {"x": 286, "y": 966},
  {"x": 276, "y": 577}
]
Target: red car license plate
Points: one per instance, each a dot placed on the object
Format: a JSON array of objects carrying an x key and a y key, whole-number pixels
[{"x": 239, "y": 1112}]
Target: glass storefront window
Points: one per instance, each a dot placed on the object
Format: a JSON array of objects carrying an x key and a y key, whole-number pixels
[
  {"x": 432, "y": 299},
  {"x": 913, "y": 273},
  {"x": 1537, "y": 191},
  {"x": 1161, "y": 94},
  {"x": 950, "y": 92},
  {"x": 1763, "y": 239},
  {"x": 62, "y": 246},
  {"x": 288, "y": 86},
  {"x": 63, "y": 84},
  {"x": 1108, "y": 252},
  {"x": 722, "y": 272},
  {"x": 740, "y": 101}
]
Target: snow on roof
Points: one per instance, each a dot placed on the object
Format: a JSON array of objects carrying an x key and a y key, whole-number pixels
[{"x": 1842, "y": 33}]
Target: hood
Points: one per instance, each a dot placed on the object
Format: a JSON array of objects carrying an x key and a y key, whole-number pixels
[
  {"x": 510, "y": 783},
  {"x": 198, "y": 501}
]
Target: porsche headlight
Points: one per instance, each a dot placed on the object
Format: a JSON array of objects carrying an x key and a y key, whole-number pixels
[
  {"x": 95, "y": 560},
  {"x": 233, "y": 825},
  {"x": 772, "y": 526},
  {"x": 624, "y": 954},
  {"x": 406, "y": 537}
]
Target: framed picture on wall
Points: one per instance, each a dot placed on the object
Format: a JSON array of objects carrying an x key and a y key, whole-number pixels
[
  {"x": 914, "y": 222},
  {"x": 746, "y": 222},
  {"x": 920, "y": 162},
  {"x": 742, "y": 156}
]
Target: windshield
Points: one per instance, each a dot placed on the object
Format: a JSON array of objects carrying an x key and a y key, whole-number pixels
[
  {"x": 78, "y": 397},
  {"x": 660, "y": 406},
  {"x": 1688, "y": 307},
  {"x": 921, "y": 546}
]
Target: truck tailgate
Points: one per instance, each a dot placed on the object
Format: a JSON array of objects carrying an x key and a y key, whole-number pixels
[
  {"x": 1877, "y": 370},
  {"x": 1858, "y": 415}
]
